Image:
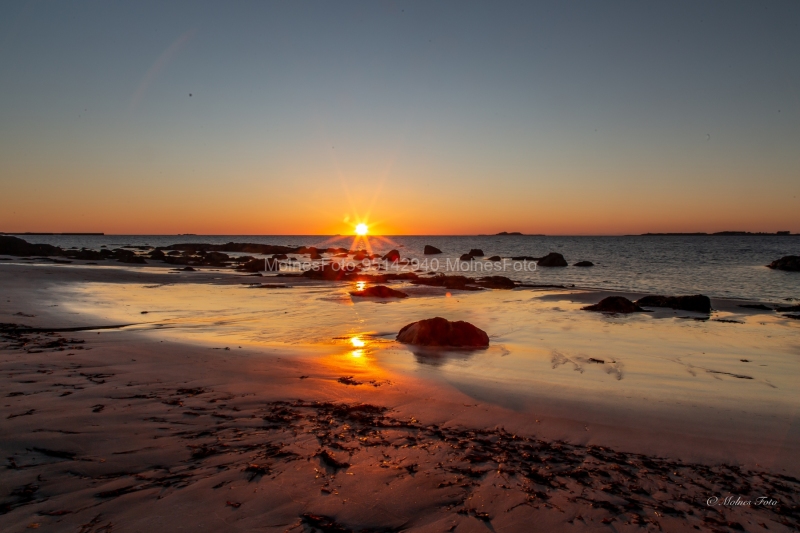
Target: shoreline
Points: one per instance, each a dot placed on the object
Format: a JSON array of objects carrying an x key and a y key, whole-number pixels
[{"x": 135, "y": 430}]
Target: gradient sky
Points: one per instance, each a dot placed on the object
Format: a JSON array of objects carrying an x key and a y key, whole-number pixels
[{"x": 426, "y": 117}]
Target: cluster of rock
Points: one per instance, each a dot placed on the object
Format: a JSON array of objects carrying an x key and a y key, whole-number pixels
[{"x": 697, "y": 303}]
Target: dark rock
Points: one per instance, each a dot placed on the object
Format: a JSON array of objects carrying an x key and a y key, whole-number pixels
[
  {"x": 240, "y": 247},
  {"x": 495, "y": 258},
  {"x": 449, "y": 282},
  {"x": 157, "y": 254},
  {"x": 379, "y": 291},
  {"x": 431, "y": 250},
  {"x": 333, "y": 272},
  {"x": 476, "y": 252},
  {"x": 584, "y": 264},
  {"x": 466, "y": 257},
  {"x": 257, "y": 265},
  {"x": 790, "y": 263},
  {"x": 496, "y": 282},
  {"x": 280, "y": 257},
  {"x": 135, "y": 259},
  {"x": 360, "y": 256},
  {"x": 760, "y": 307},
  {"x": 524, "y": 258},
  {"x": 697, "y": 303},
  {"x": 614, "y": 304},
  {"x": 787, "y": 308},
  {"x": 793, "y": 317},
  {"x": 392, "y": 256},
  {"x": 186, "y": 269},
  {"x": 441, "y": 332},
  {"x": 553, "y": 259},
  {"x": 214, "y": 258}
]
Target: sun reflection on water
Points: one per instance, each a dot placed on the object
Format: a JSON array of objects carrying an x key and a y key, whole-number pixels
[{"x": 357, "y": 342}]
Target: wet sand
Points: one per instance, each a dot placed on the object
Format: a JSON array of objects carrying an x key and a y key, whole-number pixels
[{"x": 144, "y": 428}]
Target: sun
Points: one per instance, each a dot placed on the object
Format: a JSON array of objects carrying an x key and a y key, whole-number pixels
[{"x": 361, "y": 229}]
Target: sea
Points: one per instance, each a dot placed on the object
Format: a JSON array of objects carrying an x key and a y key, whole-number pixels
[{"x": 717, "y": 266}]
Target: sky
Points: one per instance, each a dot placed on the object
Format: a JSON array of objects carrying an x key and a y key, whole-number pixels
[{"x": 241, "y": 118}]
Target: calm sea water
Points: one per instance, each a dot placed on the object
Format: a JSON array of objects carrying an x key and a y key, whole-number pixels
[{"x": 723, "y": 267}]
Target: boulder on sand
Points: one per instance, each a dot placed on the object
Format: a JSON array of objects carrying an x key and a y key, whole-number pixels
[
  {"x": 441, "y": 332},
  {"x": 697, "y": 303},
  {"x": 379, "y": 291},
  {"x": 431, "y": 250},
  {"x": 584, "y": 264},
  {"x": 614, "y": 304},
  {"x": 790, "y": 263},
  {"x": 552, "y": 259}
]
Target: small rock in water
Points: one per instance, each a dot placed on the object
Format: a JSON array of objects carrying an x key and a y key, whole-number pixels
[
  {"x": 697, "y": 303},
  {"x": 790, "y": 263},
  {"x": 553, "y": 259},
  {"x": 584, "y": 264},
  {"x": 392, "y": 256},
  {"x": 379, "y": 291},
  {"x": 431, "y": 250},
  {"x": 614, "y": 304}
]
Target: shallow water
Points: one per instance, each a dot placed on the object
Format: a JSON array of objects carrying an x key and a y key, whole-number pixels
[
  {"x": 723, "y": 267},
  {"x": 542, "y": 344}
]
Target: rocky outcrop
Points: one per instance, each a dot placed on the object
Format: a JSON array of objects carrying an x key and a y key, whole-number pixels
[
  {"x": 697, "y": 303},
  {"x": 552, "y": 259},
  {"x": 431, "y": 250},
  {"x": 614, "y": 304},
  {"x": 21, "y": 248},
  {"x": 584, "y": 264},
  {"x": 379, "y": 291},
  {"x": 241, "y": 247},
  {"x": 441, "y": 332},
  {"x": 790, "y": 263},
  {"x": 392, "y": 256},
  {"x": 476, "y": 252}
]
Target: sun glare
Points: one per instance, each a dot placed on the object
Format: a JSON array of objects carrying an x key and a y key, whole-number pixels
[{"x": 361, "y": 229}]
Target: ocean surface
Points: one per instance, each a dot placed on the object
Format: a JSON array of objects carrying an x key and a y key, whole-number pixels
[{"x": 718, "y": 266}]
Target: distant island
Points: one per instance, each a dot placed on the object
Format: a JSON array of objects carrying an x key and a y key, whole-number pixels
[
  {"x": 510, "y": 233},
  {"x": 35, "y": 233},
  {"x": 722, "y": 233}
]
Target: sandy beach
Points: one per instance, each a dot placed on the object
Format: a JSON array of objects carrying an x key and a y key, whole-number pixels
[{"x": 164, "y": 424}]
